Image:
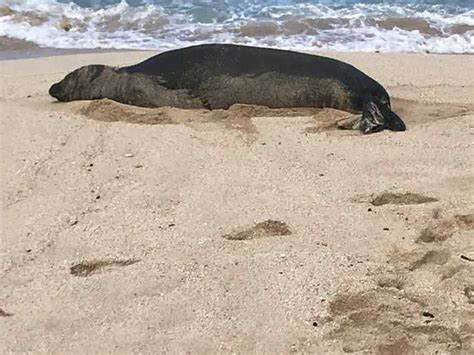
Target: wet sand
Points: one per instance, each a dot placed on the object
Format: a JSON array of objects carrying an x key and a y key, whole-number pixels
[
  {"x": 12, "y": 48},
  {"x": 250, "y": 230}
]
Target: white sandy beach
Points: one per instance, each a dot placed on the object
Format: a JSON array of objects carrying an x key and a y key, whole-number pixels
[{"x": 233, "y": 233}]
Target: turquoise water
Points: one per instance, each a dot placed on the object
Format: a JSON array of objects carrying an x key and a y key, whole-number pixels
[{"x": 440, "y": 26}]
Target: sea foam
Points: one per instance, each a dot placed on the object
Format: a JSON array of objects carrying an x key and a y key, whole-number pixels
[{"x": 299, "y": 25}]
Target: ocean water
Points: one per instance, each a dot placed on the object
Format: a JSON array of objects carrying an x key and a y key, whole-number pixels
[{"x": 437, "y": 26}]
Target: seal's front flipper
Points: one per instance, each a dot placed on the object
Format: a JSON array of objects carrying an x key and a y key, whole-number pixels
[
  {"x": 351, "y": 122},
  {"x": 377, "y": 117}
]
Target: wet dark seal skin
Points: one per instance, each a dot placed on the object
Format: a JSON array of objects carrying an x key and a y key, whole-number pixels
[{"x": 216, "y": 76}]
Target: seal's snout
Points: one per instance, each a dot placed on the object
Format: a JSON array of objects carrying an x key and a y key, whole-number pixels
[
  {"x": 55, "y": 91},
  {"x": 60, "y": 91}
]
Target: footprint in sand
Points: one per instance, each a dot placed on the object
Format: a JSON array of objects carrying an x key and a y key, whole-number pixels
[
  {"x": 402, "y": 314},
  {"x": 406, "y": 198},
  {"x": 431, "y": 257},
  {"x": 268, "y": 228},
  {"x": 391, "y": 321},
  {"x": 4, "y": 313},
  {"x": 441, "y": 230},
  {"x": 88, "y": 268}
]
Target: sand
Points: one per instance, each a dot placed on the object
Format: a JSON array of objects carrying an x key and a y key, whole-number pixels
[{"x": 248, "y": 231}]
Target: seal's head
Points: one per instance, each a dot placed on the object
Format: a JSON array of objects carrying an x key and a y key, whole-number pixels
[{"x": 82, "y": 84}]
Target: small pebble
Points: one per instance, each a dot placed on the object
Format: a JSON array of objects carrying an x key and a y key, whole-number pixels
[
  {"x": 428, "y": 314},
  {"x": 386, "y": 229},
  {"x": 469, "y": 293},
  {"x": 28, "y": 250},
  {"x": 128, "y": 155}
]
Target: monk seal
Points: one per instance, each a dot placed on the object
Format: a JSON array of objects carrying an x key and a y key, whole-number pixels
[{"x": 216, "y": 76}]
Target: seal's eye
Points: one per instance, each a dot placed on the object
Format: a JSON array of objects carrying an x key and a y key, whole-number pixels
[{"x": 384, "y": 101}]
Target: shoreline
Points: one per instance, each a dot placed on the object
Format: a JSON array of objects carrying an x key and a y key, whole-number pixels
[
  {"x": 14, "y": 49},
  {"x": 44, "y": 52}
]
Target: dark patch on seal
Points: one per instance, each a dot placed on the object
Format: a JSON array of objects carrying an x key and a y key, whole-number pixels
[
  {"x": 87, "y": 268},
  {"x": 268, "y": 228},
  {"x": 217, "y": 76},
  {"x": 406, "y": 198}
]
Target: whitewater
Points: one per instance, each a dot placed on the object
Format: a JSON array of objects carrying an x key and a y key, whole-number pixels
[{"x": 434, "y": 26}]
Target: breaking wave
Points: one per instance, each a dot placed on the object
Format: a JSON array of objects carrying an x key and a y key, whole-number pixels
[{"x": 341, "y": 25}]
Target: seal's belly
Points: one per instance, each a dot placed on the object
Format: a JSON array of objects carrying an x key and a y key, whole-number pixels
[{"x": 275, "y": 90}]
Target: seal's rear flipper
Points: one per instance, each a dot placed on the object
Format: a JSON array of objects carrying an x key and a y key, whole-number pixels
[{"x": 376, "y": 118}]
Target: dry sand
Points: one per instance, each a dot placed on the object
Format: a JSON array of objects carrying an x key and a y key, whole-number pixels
[{"x": 239, "y": 231}]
